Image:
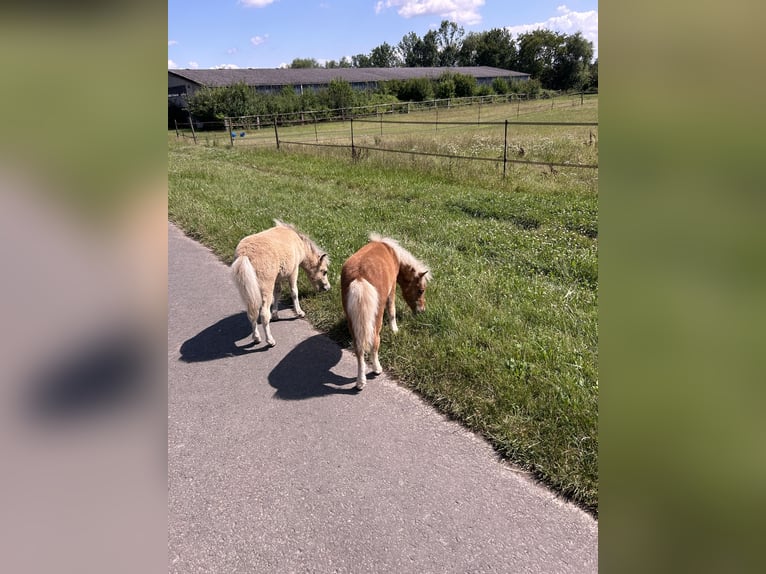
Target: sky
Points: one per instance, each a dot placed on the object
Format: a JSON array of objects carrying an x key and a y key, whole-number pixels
[{"x": 272, "y": 33}]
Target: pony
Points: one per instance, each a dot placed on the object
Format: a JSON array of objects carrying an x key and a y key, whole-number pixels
[
  {"x": 368, "y": 282},
  {"x": 262, "y": 261}
]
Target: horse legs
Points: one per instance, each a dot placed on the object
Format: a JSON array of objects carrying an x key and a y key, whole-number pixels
[
  {"x": 252, "y": 314},
  {"x": 376, "y": 368},
  {"x": 294, "y": 294},
  {"x": 266, "y": 317},
  {"x": 275, "y": 300},
  {"x": 391, "y": 308},
  {"x": 361, "y": 376}
]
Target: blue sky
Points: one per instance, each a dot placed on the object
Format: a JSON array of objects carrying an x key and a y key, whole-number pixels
[{"x": 272, "y": 33}]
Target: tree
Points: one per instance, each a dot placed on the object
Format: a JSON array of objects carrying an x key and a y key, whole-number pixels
[
  {"x": 304, "y": 63},
  {"x": 384, "y": 56},
  {"x": 571, "y": 69},
  {"x": 592, "y": 76},
  {"x": 361, "y": 61},
  {"x": 449, "y": 41},
  {"x": 409, "y": 47},
  {"x": 559, "y": 61},
  {"x": 429, "y": 51},
  {"x": 537, "y": 53},
  {"x": 494, "y": 48}
]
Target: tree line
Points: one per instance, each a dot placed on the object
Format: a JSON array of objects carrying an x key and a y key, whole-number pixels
[
  {"x": 554, "y": 61},
  {"x": 213, "y": 104},
  {"x": 559, "y": 61}
]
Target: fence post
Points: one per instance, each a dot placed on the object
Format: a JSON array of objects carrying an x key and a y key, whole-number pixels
[
  {"x": 176, "y": 122},
  {"x": 316, "y": 134},
  {"x": 353, "y": 151},
  {"x": 191, "y": 124},
  {"x": 276, "y": 133},
  {"x": 229, "y": 127},
  {"x": 505, "y": 148}
]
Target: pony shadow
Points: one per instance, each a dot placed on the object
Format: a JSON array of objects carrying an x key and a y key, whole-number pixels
[
  {"x": 219, "y": 340},
  {"x": 305, "y": 372}
]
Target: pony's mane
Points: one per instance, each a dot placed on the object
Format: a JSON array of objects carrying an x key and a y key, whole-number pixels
[
  {"x": 313, "y": 247},
  {"x": 406, "y": 258}
]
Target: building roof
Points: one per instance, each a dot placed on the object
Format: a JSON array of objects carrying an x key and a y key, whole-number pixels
[{"x": 298, "y": 76}]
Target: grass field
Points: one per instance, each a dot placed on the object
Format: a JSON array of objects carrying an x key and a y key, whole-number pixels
[{"x": 509, "y": 342}]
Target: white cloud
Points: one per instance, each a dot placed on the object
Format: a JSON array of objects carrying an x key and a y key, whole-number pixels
[
  {"x": 568, "y": 22},
  {"x": 172, "y": 42},
  {"x": 258, "y": 40},
  {"x": 256, "y": 3},
  {"x": 226, "y": 67},
  {"x": 459, "y": 11},
  {"x": 193, "y": 65},
  {"x": 172, "y": 65},
  {"x": 232, "y": 51}
]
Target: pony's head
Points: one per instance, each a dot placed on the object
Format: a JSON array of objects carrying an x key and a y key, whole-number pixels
[
  {"x": 413, "y": 283},
  {"x": 413, "y": 275},
  {"x": 315, "y": 262},
  {"x": 317, "y": 271}
]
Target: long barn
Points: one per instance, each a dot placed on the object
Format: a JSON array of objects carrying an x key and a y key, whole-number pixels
[{"x": 182, "y": 83}]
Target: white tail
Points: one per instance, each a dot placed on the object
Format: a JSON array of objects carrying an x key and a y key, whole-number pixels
[
  {"x": 244, "y": 276},
  {"x": 362, "y": 305}
]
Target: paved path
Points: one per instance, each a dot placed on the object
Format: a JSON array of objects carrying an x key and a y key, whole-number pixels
[{"x": 276, "y": 465}]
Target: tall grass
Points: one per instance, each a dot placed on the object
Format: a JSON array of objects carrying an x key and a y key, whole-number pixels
[{"x": 508, "y": 344}]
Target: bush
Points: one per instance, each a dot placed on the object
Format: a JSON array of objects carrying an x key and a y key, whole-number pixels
[
  {"x": 465, "y": 86},
  {"x": 416, "y": 90},
  {"x": 500, "y": 86}
]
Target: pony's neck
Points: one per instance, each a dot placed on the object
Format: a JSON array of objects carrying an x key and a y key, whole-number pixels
[{"x": 405, "y": 273}]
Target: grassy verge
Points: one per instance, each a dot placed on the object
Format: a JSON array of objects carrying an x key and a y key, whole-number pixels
[{"x": 508, "y": 344}]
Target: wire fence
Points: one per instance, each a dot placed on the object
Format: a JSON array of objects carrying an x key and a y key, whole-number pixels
[{"x": 388, "y": 129}]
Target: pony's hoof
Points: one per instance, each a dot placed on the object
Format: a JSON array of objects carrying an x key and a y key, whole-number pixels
[
  {"x": 272, "y": 343},
  {"x": 301, "y": 314},
  {"x": 360, "y": 385},
  {"x": 256, "y": 340}
]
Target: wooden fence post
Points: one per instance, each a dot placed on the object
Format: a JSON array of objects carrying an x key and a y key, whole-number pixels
[
  {"x": 191, "y": 123},
  {"x": 276, "y": 133},
  {"x": 505, "y": 148}
]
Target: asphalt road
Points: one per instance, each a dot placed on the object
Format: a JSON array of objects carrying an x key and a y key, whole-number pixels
[{"x": 275, "y": 463}]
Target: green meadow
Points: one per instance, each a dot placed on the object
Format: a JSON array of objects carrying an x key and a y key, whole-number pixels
[{"x": 508, "y": 344}]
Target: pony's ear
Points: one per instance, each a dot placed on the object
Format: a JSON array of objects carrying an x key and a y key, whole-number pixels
[
  {"x": 322, "y": 257},
  {"x": 426, "y": 272}
]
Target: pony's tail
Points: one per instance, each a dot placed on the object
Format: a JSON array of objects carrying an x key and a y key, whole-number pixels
[
  {"x": 362, "y": 306},
  {"x": 244, "y": 276}
]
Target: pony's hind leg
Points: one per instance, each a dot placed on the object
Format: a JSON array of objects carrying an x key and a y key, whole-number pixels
[
  {"x": 252, "y": 315},
  {"x": 361, "y": 368},
  {"x": 376, "y": 368},
  {"x": 266, "y": 319},
  {"x": 275, "y": 300}
]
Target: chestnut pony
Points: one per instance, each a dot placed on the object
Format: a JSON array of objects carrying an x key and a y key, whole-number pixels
[
  {"x": 368, "y": 282},
  {"x": 264, "y": 260}
]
